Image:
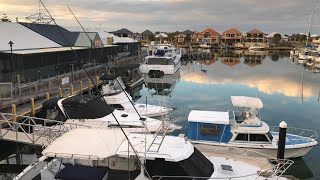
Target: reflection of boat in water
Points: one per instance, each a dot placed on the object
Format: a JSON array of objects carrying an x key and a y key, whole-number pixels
[
  {"x": 163, "y": 85},
  {"x": 256, "y": 48},
  {"x": 246, "y": 130}
]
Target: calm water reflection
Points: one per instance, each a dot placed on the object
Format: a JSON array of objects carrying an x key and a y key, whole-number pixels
[{"x": 289, "y": 91}]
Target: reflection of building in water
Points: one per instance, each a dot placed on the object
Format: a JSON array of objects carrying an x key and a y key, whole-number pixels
[
  {"x": 230, "y": 58},
  {"x": 164, "y": 85},
  {"x": 253, "y": 58}
]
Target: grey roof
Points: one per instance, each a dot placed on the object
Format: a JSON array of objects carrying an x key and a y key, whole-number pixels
[
  {"x": 187, "y": 32},
  {"x": 52, "y": 32},
  {"x": 122, "y": 31},
  {"x": 147, "y": 32},
  {"x": 22, "y": 37}
]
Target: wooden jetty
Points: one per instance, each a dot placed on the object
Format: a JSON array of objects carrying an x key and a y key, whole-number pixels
[{"x": 28, "y": 98}]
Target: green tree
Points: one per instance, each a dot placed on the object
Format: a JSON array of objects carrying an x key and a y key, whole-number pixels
[
  {"x": 5, "y": 18},
  {"x": 276, "y": 38}
]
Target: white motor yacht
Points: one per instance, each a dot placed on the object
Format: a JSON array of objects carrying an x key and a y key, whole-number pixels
[
  {"x": 245, "y": 130},
  {"x": 162, "y": 59},
  {"x": 102, "y": 154},
  {"x": 93, "y": 111},
  {"x": 116, "y": 97}
]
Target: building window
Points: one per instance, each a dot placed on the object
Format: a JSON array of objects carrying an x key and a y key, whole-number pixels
[
  {"x": 209, "y": 130},
  {"x": 242, "y": 137},
  {"x": 258, "y": 137}
]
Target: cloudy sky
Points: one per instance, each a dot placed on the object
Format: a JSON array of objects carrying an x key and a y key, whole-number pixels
[{"x": 285, "y": 16}]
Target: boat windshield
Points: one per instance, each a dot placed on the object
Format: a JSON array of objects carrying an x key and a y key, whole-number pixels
[
  {"x": 196, "y": 165},
  {"x": 270, "y": 136},
  {"x": 86, "y": 107}
]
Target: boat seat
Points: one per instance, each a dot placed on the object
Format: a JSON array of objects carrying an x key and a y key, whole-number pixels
[{"x": 240, "y": 118}]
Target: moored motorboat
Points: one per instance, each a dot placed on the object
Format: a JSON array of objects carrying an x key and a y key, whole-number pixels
[
  {"x": 162, "y": 59},
  {"x": 93, "y": 111},
  {"x": 116, "y": 97},
  {"x": 245, "y": 130},
  {"x": 102, "y": 154}
]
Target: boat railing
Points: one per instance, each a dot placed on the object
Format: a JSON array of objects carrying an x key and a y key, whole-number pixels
[
  {"x": 271, "y": 168},
  {"x": 160, "y": 103},
  {"x": 32, "y": 130},
  {"x": 303, "y": 133}
]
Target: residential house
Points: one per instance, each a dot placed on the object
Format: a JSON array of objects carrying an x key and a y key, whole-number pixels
[
  {"x": 208, "y": 36},
  {"x": 146, "y": 36},
  {"x": 255, "y": 36},
  {"x": 271, "y": 38},
  {"x": 183, "y": 37},
  {"x": 123, "y": 33},
  {"x": 231, "y": 37}
]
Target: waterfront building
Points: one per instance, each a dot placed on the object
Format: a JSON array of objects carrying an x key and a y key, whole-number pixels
[
  {"x": 209, "y": 36},
  {"x": 39, "y": 51},
  {"x": 184, "y": 37},
  {"x": 255, "y": 36},
  {"x": 123, "y": 33},
  {"x": 270, "y": 38},
  {"x": 146, "y": 36},
  {"x": 231, "y": 37}
]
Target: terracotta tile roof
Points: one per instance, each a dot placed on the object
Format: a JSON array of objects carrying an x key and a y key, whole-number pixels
[
  {"x": 211, "y": 31},
  {"x": 232, "y": 31},
  {"x": 255, "y": 31}
]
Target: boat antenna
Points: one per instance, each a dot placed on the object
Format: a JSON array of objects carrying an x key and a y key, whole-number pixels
[
  {"x": 129, "y": 142},
  {"x": 114, "y": 74},
  {"x": 311, "y": 17}
]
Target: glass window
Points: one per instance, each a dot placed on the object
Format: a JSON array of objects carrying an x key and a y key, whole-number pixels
[
  {"x": 242, "y": 137},
  {"x": 117, "y": 106},
  {"x": 270, "y": 136},
  {"x": 258, "y": 137},
  {"x": 209, "y": 130}
]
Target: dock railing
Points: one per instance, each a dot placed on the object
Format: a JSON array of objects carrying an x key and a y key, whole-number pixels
[{"x": 32, "y": 130}]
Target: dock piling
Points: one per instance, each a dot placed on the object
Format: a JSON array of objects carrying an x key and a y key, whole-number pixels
[
  {"x": 32, "y": 107},
  {"x": 60, "y": 92},
  {"x": 282, "y": 140},
  {"x": 14, "y": 112},
  {"x": 48, "y": 96},
  {"x": 81, "y": 87},
  {"x": 71, "y": 89}
]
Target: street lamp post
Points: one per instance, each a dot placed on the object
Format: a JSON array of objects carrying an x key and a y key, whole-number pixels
[{"x": 10, "y": 43}]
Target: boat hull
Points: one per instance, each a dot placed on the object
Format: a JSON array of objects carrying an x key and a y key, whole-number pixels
[
  {"x": 166, "y": 69},
  {"x": 256, "y": 151}
]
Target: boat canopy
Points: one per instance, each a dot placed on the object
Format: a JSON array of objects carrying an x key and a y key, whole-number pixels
[
  {"x": 214, "y": 117},
  {"x": 248, "y": 102},
  {"x": 86, "y": 143}
]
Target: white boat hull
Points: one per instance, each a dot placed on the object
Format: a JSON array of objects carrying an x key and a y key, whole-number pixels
[
  {"x": 258, "y": 150},
  {"x": 166, "y": 69}
]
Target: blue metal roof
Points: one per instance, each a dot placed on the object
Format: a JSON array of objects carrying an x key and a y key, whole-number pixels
[{"x": 52, "y": 32}]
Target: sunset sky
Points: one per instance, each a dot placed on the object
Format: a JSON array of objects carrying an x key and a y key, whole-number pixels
[{"x": 285, "y": 16}]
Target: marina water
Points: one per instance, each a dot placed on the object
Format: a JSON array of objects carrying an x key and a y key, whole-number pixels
[{"x": 290, "y": 92}]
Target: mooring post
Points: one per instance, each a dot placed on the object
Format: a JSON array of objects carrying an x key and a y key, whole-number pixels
[
  {"x": 48, "y": 96},
  {"x": 71, "y": 89},
  {"x": 282, "y": 140},
  {"x": 32, "y": 107},
  {"x": 89, "y": 85},
  {"x": 60, "y": 92},
  {"x": 81, "y": 87},
  {"x": 97, "y": 81},
  {"x": 14, "y": 112}
]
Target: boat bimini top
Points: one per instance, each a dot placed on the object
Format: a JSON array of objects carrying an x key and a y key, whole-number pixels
[{"x": 247, "y": 102}]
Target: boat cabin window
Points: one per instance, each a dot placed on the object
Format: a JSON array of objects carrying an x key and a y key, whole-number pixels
[
  {"x": 209, "y": 130},
  {"x": 258, "y": 137},
  {"x": 242, "y": 137},
  {"x": 117, "y": 106},
  {"x": 270, "y": 136}
]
